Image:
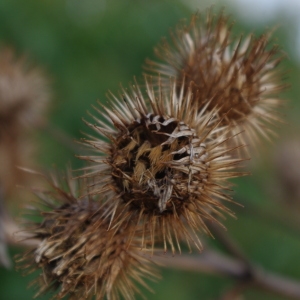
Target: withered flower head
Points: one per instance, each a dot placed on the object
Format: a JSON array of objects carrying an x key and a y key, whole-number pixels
[
  {"x": 24, "y": 95},
  {"x": 238, "y": 75},
  {"x": 24, "y": 91},
  {"x": 78, "y": 255},
  {"x": 164, "y": 166}
]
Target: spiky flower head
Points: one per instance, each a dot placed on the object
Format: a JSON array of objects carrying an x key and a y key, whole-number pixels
[
  {"x": 24, "y": 91},
  {"x": 77, "y": 254},
  {"x": 24, "y": 96},
  {"x": 161, "y": 162},
  {"x": 238, "y": 75}
]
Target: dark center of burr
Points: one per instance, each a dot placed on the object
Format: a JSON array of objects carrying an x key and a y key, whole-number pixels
[{"x": 143, "y": 165}]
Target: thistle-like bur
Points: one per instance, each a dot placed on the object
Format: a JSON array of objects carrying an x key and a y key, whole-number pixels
[
  {"x": 24, "y": 91},
  {"x": 77, "y": 254},
  {"x": 237, "y": 75},
  {"x": 165, "y": 167},
  {"x": 24, "y": 96}
]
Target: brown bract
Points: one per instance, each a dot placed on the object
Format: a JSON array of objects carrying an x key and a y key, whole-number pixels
[
  {"x": 162, "y": 163},
  {"x": 237, "y": 75},
  {"x": 77, "y": 254}
]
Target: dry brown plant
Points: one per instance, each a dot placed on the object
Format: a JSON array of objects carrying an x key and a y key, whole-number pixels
[
  {"x": 24, "y": 97},
  {"x": 162, "y": 163},
  {"x": 239, "y": 75},
  {"x": 77, "y": 255}
]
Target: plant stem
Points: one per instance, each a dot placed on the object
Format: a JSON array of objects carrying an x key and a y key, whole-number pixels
[{"x": 213, "y": 262}]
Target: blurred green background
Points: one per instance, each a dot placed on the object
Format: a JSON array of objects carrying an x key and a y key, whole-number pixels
[{"x": 89, "y": 47}]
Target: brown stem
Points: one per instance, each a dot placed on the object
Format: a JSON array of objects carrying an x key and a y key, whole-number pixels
[
  {"x": 209, "y": 262},
  {"x": 213, "y": 262},
  {"x": 277, "y": 284}
]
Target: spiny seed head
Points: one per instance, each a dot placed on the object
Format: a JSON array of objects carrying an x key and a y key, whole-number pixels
[
  {"x": 164, "y": 166},
  {"x": 24, "y": 95},
  {"x": 24, "y": 92},
  {"x": 78, "y": 255},
  {"x": 239, "y": 76}
]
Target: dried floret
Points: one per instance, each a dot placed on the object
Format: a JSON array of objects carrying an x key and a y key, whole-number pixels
[
  {"x": 165, "y": 167},
  {"x": 240, "y": 75},
  {"x": 79, "y": 257}
]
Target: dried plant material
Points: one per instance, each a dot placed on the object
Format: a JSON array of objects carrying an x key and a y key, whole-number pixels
[
  {"x": 165, "y": 167},
  {"x": 24, "y": 91},
  {"x": 78, "y": 255},
  {"x": 24, "y": 96},
  {"x": 237, "y": 75}
]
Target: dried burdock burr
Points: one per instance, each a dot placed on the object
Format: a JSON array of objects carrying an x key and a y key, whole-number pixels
[
  {"x": 24, "y": 96},
  {"x": 77, "y": 254},
  {"x": 162, "y": 163},
  {"x": 24, "y": 91},
  {"x": 239, "y": 75}
]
